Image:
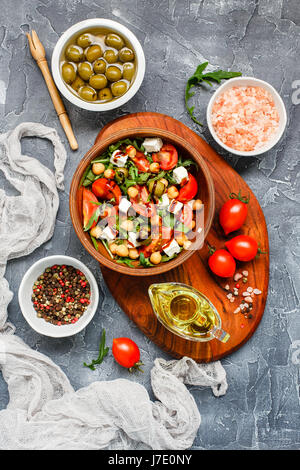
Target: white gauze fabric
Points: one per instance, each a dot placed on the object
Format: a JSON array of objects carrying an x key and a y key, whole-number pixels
[{"x": 44, "y": 411}]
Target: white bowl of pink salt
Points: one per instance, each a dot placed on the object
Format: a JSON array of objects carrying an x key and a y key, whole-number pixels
[{"x": 246, "y": 116}]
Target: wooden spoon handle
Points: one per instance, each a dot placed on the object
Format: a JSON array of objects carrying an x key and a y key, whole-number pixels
[{"x": 58, "y": 104}]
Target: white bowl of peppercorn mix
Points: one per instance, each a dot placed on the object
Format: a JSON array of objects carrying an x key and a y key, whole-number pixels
[{"x": 58, "y": 296}]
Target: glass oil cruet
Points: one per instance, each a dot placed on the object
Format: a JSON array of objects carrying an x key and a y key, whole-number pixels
[{"x": 186, "y": 312}]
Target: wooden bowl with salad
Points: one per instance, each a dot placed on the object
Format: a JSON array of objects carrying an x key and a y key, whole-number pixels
[{"x": 142, "y": 201}]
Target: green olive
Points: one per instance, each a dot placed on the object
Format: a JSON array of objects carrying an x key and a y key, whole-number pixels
[
  {"x": 85, "y": 70},
  {"x": 84, "y": 40},
  {"x": 98, "y": 81},
  {"x": 113, "y": 73},
  {"x": 68, "y": 72},
  {"x": 113, "y": 40},
  {"x": 78, "y": 83},
  {"x": 128, "y": 71},
  {"x": 110, "y": 56},
  {"x": 93, "y": 53},
  {"x": 126, "y": 54},
  {"x": 157, "y": 188},
  {"x": 121, "y": 174},
  {"x": 74, "y": 53},
  {"x": 88, "y": 93},
  {"x": 99, "y": 66},
  {"x": 119, "y": 88},
  {"x": 105, "y": 94}
]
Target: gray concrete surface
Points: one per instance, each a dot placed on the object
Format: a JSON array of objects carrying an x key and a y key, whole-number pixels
[{"x": 259, "y": 38}]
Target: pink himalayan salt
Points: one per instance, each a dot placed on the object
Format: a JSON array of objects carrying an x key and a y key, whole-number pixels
[{"x": 245, "y": 118}]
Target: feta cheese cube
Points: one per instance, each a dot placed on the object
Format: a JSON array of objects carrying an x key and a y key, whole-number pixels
[
  {"x": 171, "y": 248},
  {"x": 164, "y": 201},
  {"x": 118, "y": 158},
  {"x": 124, "y": 205},
  {"x": 132, "y": 238},
  {"x": 108, "y": 234},
  {"x": 180, "y": 175},
  {"x": 175, "y": 206},
  {"x": 152, "y": 144}
]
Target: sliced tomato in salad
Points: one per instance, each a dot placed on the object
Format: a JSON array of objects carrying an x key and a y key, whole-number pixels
[
  {"x": 166, "y": 234},
  {"x": 167, "y": 157},
  {"x": 189, "y": 190},
  {"x": 107, "y": 189},
  {"x": 141, "y": 162},
  {"x": 155, "y": 245},
  {"x": 141, "y": 203},
  {"x": 88, "y": 208}
]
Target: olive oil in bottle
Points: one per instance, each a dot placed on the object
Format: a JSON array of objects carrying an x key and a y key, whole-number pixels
[{"x": 186, "y": 312}]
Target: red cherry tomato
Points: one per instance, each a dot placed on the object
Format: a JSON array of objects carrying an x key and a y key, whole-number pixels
[
  {"x": 141, "y": 162},
  {"x": 242, "y": 247},
  {"x": 88, "y": 208},
  {"x": 233, "y": 213},
  {"x": 100, "y": 188},
  {"x": 126, "y": 352},
  {"x": 106, "y": 189},
  {"x": 222, "y": 263},
  {"x": 167, "y": 157},
  {"x": 189, "y": 190}
]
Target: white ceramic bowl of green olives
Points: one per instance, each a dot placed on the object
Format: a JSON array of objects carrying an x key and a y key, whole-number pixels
[{"x": 98, "y": 64}]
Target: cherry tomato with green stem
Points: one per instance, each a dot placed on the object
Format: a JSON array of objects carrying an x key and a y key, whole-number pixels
[
  {"x": 126, "y": 352},
  {"x": 221, "y": 262},
  {"x": 243, "y": 247},
  {"x": 233, "y": 213}
]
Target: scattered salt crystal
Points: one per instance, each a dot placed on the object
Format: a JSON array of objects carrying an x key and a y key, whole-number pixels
[
  {"x": 245, "y": 294},
  {"x": 257, "y": 291},
  {"x": 237, "y": 310},
  {"x": 227, "y": 287},
  {"x": 249, "y": 299},
  {"x": 232, "y": 299},
  {"x": 246, "y": 305},
  {"x": 249, "y": 289},
  {"x": 237, "y": 276},
  {"x": 242, "y": 306},
  {"x": 245, "y": 273},
  {"x": 229, "y": 296}
]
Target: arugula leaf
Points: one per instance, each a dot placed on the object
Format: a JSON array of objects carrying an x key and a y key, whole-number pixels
[
  {"x": 145, "y": 261},
  {"x": 165, "y": 258},
  {"x": 126, "y": 261},
  {"x": 92, "y": 219},
  {"x": 103, "y": 351},
  {"x": 95, "y": 243},
  {"x": 198, "y": 77}
]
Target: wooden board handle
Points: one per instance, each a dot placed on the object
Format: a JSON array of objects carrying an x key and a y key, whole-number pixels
[{"x": 58, "y": 103}]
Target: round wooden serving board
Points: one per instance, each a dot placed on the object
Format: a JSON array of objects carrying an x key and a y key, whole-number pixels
[{"x": 131, "y": 292}]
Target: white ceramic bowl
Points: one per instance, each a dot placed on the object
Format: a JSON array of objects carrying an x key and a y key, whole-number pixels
[
  {"x": 98, "y": 23},
  {"x": 249, "y": 81},
  {"x": 25, "y": 292}
]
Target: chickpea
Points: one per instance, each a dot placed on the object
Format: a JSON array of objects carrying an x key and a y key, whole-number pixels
[
  {"x": 198, "y": 205},
  {"x": 181, "y": 239},
  {"x": 122, "y": 251},
  {"x": 131, "y": 151},
  {"x": 98, "y": 168},
  {"x": 127, "y": 225},
  {"x": 133, "y": 253},
  {"x": 154, "y": 167},
  {"x": 113, "y": 248},
  {"x": 132, "y": 192},
  {"x": 155, "y": 258},
  {"x": 109, "y": 173},
  {"x": 96, "y": 232},
  {"x": 165, "y": 182},
  {"x": 173, "y": 192},
  {"x": 187, "y": 244}
]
